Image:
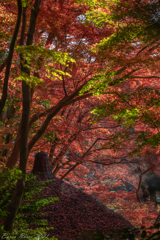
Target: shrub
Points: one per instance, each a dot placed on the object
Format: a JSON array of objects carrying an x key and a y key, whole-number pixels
[{"x": 29, "y": 209}]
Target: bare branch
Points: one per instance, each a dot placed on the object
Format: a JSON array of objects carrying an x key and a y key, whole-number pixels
[
  {"x": 146, "y": 77},
  {"x": 107, "y": 164}
]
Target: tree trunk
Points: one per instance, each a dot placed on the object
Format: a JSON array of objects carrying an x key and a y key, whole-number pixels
[
  {"x": 15, "y": 152},
  {"x": 18, "y": 194}
]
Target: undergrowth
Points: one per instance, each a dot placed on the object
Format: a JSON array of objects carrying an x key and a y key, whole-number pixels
[{"x": 29, "y": 209}]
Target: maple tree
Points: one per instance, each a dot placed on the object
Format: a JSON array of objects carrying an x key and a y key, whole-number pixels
[
  {"x": 134, "y": 103},
  {"x": 145, "y": 132},
  {"x": 75, "y": 54},
  {"x": 36, "y": 57}
]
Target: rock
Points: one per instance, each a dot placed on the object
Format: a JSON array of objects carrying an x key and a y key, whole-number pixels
[
  {"x": 150, "y": 186},
  {"x": 125, "y": 187}
]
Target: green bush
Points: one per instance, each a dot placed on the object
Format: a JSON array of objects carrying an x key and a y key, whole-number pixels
[{"x": 29, "y": 209}]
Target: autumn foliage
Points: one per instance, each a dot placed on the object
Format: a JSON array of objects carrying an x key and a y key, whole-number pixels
[{"x": 80, "y": 80}]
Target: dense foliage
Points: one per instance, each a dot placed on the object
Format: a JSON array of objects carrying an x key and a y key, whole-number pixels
[
  {"x": 80, "y": 80},
  {"x": 29, "y": 210}
]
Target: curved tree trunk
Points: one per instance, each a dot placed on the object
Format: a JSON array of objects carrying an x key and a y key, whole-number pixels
[{"x": 18, "y": 194}]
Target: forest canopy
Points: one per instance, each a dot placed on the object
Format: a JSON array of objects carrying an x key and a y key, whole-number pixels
[{"x": 79, "y": 80}]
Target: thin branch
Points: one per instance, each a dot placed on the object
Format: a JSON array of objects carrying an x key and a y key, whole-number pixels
[
  {"x": 119, "y": 95},
  {"x": 146, "y": 77},
  {"x": 107, "y": 164},
  {"x": 115, "y": 81},
  {"x": 3, "y": 64},
  {"x": 64, "y": 88},
  {"x": 79, "y": 98},
  {"x": 101, "y": 127},
  {"x": 37, "y": 116},
  {"x": 9, "y": 60},
  {"x": 70, "y": 170}
]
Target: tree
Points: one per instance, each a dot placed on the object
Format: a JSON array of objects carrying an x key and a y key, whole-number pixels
[
  {"x": 35, "y": 57},
  {"x": 66, "y": 54},
  {"x": 134, "y": 104}
]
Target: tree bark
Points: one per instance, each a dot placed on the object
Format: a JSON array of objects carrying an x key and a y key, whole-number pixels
[
  {"x": 9, "y": 59},
  {"x": 52, "y": 150},
  {"x": 15, "y": 152},
  {"x": 14, "y": 157},
  {"x": 18, "y": 194},
  {"x": 63, "y": 102}
]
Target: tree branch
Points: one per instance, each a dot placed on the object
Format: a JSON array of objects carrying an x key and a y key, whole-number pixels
[
  {"x": 3, "y": 64},
  {"x": 9, "y": 59}
]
